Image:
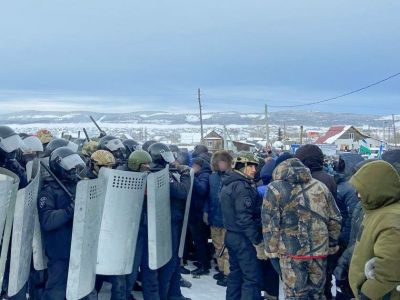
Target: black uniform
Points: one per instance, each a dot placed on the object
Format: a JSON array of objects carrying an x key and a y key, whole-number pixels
[
  {"x": 56, "y": 211},
  {"x": 241, "y": 210}
]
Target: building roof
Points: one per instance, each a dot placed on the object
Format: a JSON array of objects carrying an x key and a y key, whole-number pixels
[
  {"x": 213, "y": 136},
  {"x": 334, "y": 133}
]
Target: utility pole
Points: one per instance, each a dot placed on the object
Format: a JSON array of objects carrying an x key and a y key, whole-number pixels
[
  {"x": 201, "y": 114},
  {"x": 394, "y": 131},
  {"x": 266, "y": 123},
  {"x": 301, "y": 135}
]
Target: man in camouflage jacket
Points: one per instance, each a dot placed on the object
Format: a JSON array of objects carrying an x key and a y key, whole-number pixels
[{"x": 301, "y": 226}]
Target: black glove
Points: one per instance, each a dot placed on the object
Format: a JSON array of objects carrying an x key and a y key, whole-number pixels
[
  {"x": 182, "y": 169},
  {"x": 70, "y": 209},
  {"x": 275, "y": 264}
]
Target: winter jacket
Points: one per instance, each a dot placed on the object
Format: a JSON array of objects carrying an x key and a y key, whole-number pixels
[
  {"x": 213, "y": 205},
  {"x": 241, "y": 206},
  {"x": 200, "y": 191},
  {"x": 326, "y": 179},
  {"x": 299, "y": 215},
  {"x": 56, "y": 211},
  {"x": 346, "y": 201},
  {"x": 379, "y": 186},
  {"x": 342, "y": 269}
]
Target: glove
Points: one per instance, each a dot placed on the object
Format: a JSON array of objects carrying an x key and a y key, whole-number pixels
[
  {"x": 182, "y": 169},
  {"x": 205, "y": 218},
  {"x": 69, "y": 210},
  {"x": 275, "y": 264},
  {"x": 260, "y": 251},
  {"x": 369, "y": 269}
]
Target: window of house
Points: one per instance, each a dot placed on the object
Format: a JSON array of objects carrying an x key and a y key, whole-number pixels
[
  {"x": 351, "y": 136},
  {"x": 210, "y": 144}
]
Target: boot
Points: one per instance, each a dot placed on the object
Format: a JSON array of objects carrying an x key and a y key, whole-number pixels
[
  {"x": 218, "y": 276},
  {"x": 200, "y": 271},
  {"x": 185, "y": 284},
  {"x": 223, "y": 282}
]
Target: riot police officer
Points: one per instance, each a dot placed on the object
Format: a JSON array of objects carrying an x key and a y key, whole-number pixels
[
  {"x": 169, "y": 275},
  {"x": 56, "y": 210},
  {"x": 139, "y": 161},
  {"x": 10, "y": 144}
]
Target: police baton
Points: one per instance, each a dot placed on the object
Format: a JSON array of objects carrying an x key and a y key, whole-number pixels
[
  {"x": 102, "y": 132},
  {"x": 86, "y": 134},
  {"x": 57, "y": 180}
]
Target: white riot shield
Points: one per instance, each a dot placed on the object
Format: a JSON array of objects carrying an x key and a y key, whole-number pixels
[
  {"x": 124, "y": 195},
  {"x": 159, "y": 219},
  {"x": 22, "y": 235},
  {"x": 12, "y": 194},
  {"x": 39, "y": 257},
  {"x": 6, "y": 185},
  {"x": 89, "y": 203},
  {"x": 186, "y": 217}
]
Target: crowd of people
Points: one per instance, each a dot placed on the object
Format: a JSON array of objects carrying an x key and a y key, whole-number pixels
[{"x": 272, "y": 217}]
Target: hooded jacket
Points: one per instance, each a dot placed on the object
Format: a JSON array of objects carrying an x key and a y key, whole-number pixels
[
  {"x": 200, "y": 191},
  {"x": 299, "y": 215},
  {"x": 379, "y": 186},
  {"x": 241, "y": 206}
]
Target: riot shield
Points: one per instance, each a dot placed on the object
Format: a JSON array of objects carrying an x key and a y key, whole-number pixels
[
  {"x": 22, "y": 235},
  {"x": 39, "y": 256},
  {"x": 159, "y": 219},
  {"x": 89, "y": 201},
  {"x": 186, "y": 216},
  {"x": 124, "y": 195},
  {"x": 12, "y": 195}
]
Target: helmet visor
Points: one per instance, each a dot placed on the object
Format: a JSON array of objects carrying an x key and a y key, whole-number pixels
[
  {"x": 72, "y": 161},
  {"x": 74, "y": 147},
  {"x": 11, "y": 143},
  {"x": 32, "y": 144},
  {"x": 114, "y": 145},
  {"x": 168, "y": 156}
]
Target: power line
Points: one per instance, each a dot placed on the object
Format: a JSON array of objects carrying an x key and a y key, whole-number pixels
[{"x": 340, "y": 96}]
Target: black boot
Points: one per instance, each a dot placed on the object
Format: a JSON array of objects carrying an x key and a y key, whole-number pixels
[
  {"x": 218, "y": 276},
  {"x": 223, "y": 282},
  {"x": 200, "y": 271},
  {"x": 184, "y": 271}
]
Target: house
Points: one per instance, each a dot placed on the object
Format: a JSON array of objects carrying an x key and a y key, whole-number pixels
[
  {"x": 213, "y": 141},
  {"x": 243, "y": 146},
  {"x": 347, "y": 138}
]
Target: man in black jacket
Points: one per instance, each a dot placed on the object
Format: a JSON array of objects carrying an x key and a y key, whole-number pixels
[
  {"x": 56, "y": 211},
  {"x": 241, "y": 209}
]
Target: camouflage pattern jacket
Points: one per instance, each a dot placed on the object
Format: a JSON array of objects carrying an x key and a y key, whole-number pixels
[{"x": 299, "y": 215}]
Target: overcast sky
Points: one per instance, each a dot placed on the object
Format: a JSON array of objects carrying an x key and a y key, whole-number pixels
[{"x": 153, "y": 55}]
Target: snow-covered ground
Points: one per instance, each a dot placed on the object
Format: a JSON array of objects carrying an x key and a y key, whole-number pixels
[{"x": 204, "y": 288}]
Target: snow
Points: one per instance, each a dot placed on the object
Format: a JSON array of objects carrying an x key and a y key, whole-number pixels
[
  {"x": 203, "y": 288},
  {"x": 190, "y": 138},
  {"x": 207, "y": 116},
  {"x": 192, "y": 118}
]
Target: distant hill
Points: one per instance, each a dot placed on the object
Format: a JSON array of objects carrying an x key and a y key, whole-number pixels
[{"x": 306, "y": 118}]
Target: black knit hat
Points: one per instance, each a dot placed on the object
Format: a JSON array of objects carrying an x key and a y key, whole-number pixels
[{"x": 311, "y": 156}]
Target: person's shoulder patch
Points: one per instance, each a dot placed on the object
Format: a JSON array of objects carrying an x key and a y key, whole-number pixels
[{"x": 42, "y": 202}]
